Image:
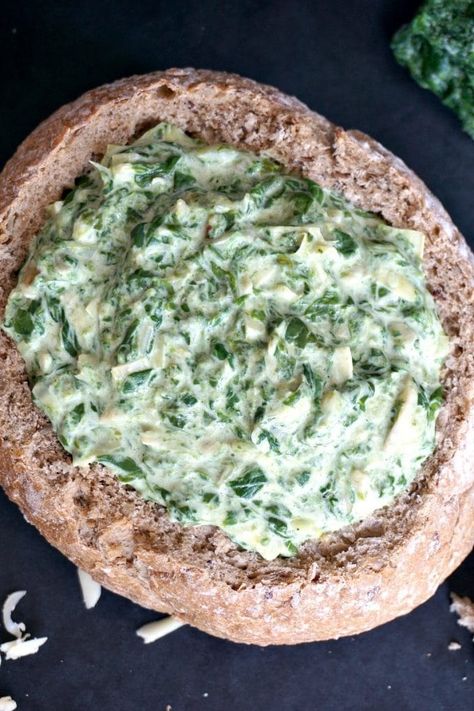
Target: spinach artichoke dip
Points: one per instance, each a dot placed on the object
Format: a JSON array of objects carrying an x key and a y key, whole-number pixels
[{"x": 236, "y": 343}]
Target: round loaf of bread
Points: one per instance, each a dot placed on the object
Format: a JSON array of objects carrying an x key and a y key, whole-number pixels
[{"x": 346, "y": 582}]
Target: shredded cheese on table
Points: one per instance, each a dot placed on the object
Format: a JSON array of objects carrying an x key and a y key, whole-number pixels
[
  {"x": 16, "y": 629},
  {"x": 22, "y": 647},
  {"x": 153, "y": 631},
  {"x": 91, "y": 590},
  {"x": 464, "y": 607},
  {"x": 23, "y": 644}
]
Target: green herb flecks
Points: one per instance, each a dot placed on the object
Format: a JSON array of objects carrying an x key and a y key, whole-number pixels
[{"x": 249, "y": 484}]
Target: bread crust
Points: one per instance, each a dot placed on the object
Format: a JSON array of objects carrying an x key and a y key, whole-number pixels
[{"x": 348, "y": 582}]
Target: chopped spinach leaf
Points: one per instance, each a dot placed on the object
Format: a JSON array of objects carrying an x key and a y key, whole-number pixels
[
  {"x": 345, "y": 244},
  {"x": 436, "y": 47},
  {"x": 249, "y": 484}
]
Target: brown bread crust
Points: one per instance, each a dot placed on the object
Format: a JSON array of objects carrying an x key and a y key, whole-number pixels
[{"x": 347, "y": 583}]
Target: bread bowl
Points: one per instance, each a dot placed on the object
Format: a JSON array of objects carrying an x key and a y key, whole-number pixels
[{"x": 348, "y": 581}]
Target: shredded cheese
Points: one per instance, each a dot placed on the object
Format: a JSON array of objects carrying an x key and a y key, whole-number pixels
[
  {"x": 90, "y": 589},
  {"x": 153, "y": 631},
  {"x": 464, "y": 607},
  {"x": 16, "y": 629},
  {"x": 23, "y": 644},
  {"x": 22, "y": 647}
]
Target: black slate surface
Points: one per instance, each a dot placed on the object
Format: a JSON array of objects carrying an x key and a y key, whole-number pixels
[{"x": 335, "y": 56}]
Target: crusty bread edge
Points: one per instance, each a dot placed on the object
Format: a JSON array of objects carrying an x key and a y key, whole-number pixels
[{"x": 354, "y": 580}]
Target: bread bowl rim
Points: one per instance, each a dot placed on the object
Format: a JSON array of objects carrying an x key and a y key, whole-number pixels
[{"x": 355, "y": 579}]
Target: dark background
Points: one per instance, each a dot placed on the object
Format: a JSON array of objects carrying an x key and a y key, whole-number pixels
[{"x": 335, "y": 56}]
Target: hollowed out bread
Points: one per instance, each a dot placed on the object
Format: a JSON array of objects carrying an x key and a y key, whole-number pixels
[{"x": 346, "y": 583}]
